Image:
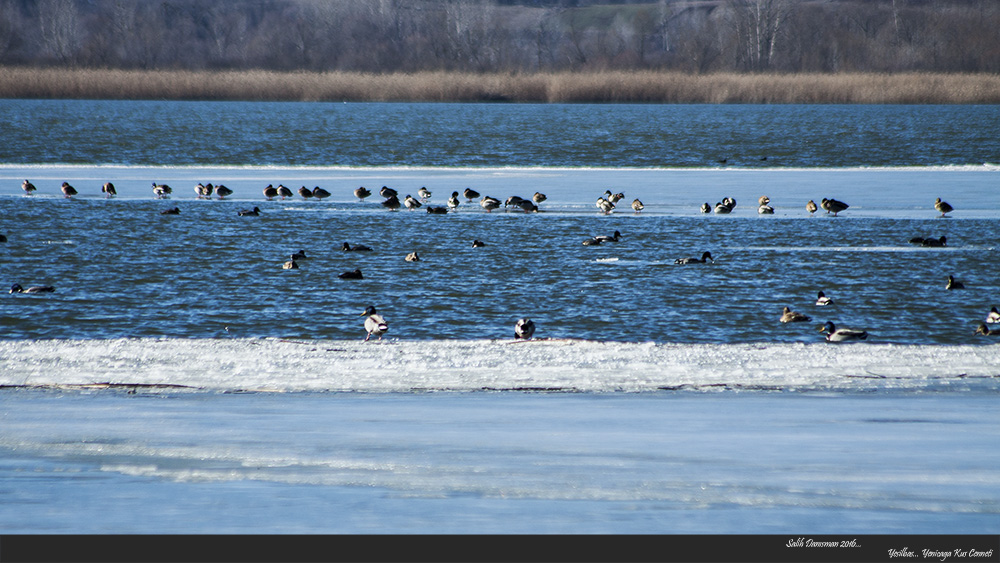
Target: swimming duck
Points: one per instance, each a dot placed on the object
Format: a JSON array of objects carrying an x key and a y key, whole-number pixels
[
  {"x": 993, "y": 317},
  {"x": 790, "y": 316},
  {"x": 222, "y": 191},
  {"x": 270, "y": 192},
  {"x": 591, "y": 242},
  {"x": 705, "y": 257},
  {"x": 437, "y": 210},
  {"x": 388, "y": 192},
  {"x": 391, "y": 203},
  {"x": 605, "y": 206},
  {"x": 374, "y": 324},
  {"x": 765, "y": 210},
  {"x": 538, "y": 198},
  {"x": 614, "y": 238},
  {"x": 320, "y": 193},
  {"x": 300, "y": 255},
  {"x": 489, "y": 203},
  {"x": 943, "y": 207},
  {"x": 706, "y": 208},
  {"x": 822, "y": 300},
  {"x": 424, "y": 193},
  {"x": 68, "y": 190},
  {"x": 290, "y": 265},
  {"x": 109, "y": 189},
  {"x": 171, "y": 211},
  {"x": 453, "y": 201},
  {"x": 356, "y": 248},
  {"x": 352, "y": 275},
  {"x": 249, "y": 212},
  {"x": 954, "y": 284},
  {"x": 833, "y": 206},
  {"x": 16, "y": 288},
  {"x": 284, "y": 192},
  {"x": 28, "y": 187},
  {"x": 412, "y": 257},
  {"x": 811, "y": 207},
  {"x": 478, "y": 244},
  {"x": 637, "y": 205},
  {"x": 524, "y": 329},
  {"x": 411, "y": 202},
  {"x": 833, "y": 334},
  {"x": 161, "y": 191},
  {"x": 305, "y": 192},
  {"x": 934, "y": 242},
  {"x": 362, "y": 192},
  {"x": 984, "y": 330}
]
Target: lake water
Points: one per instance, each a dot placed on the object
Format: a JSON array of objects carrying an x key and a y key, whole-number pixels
[{"x": 179, "y": 380}]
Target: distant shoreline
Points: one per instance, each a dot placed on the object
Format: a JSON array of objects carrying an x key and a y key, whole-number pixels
[{"x": 559, "y": 87}]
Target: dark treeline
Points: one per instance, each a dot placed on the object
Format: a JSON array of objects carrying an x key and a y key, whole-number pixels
[{"x": 390, "y": 36}]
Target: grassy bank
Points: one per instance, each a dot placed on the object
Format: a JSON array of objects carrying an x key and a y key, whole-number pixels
[{"x": 610, "y": 87}]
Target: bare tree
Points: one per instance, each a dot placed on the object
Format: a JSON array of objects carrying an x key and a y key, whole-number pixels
[
  {"x": 59, "y": 25},
  {"x": 757, "y": 26}
]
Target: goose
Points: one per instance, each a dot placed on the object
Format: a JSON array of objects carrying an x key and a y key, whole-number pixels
[
  {"x": 833, "y": 334},
  {"x": 374, "y": 324},
  {"x": 453, "y": 201},
  {"x": 250, "y": 212},
  {"x": 984, "y": 330},
  {"x": 833, "y": 206},
  {"x": 290, "y": 265},
  {"x": 524, "y": 329},
  {"x": 412, "y": 257},
  {"x": 954, "y": 284},
  {"x": 161, "y": 191},
  {"x": 437, "y": 210},
  {"x": 765, "y": 210},
  {"x": 706, "y": 208},
  {"x": 605, "y": 206},
  {"x": 811, "y": 207},
  {"x": 424, "y": 193},
  {"x": 790, "y": 316},
  {"x": 28, "y": 187},
  {"x": 68, "y": 190},
  {"x": 109, "y": 189},
  {"x": 705, "y": 257},
  {"x": 478, "y": 244},
  {"x": 411, "y": 202},
  {"x": 222, "y": 191},
  {"x": 320, "y": 193},
  {"x": 943, "y": 207},
  {"x": 613, "y": 238},
  {"x": 489, "y": 203},
  {"x": 305, "y": 192},
  {"x": 284, "y": 192},
  {"x": 391, "y": 203},
  {"x": 538, "y": 198},
  {"x": 362, "y": 192},
  {"x": 16, "y": 288},
  {"x": 993, "y": 317},
  {"x": 637, "y": 205},
  {"x": 934, "y": 242},
  {"x": 822, "y": 300},
  {"x": 270, "y": 192},
  {"x": 300, "y": 255},
  {"x": 388, "y": 192},
  {"x": 171, "y": 211},
  {"x": 470, "y": 194},
  {"x": 356, "y": 248},
  {"x": 352, "y": 275}
]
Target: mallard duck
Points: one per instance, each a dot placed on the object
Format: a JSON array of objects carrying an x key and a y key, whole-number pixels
[
  {"x": 424, "y": 193},
  {"x": 453, "y": 201},
  {"x": 249, "y": 212},
  {"x": 412, "y": 257},
  {"x": 352, "y": 275},
  {"x": 822, "y": 300},
  {"x": 954, "y": 284},
  {"x": 411, "y": 202},
  {"x": 538, "y": 198},
  {"x": 613, "y": 238},
  {"x": 593, "y": 241},
  {"x": 161, "y": 191},
  {"x": 362, "y": 192},
  {"x": 290, "y": 265},
  {"x": 513, "y": 201},
  {"x": 524, "y": 329},
  {"x": 391, "y": 203},
  {"x": 833, "y": 206},
  {"x": 811, "y": 207},
  {"x": 934, "y": 242},
  {"x": 984, "y": 330},
  {"x": 705, "y": 257},
  {"x": 993, "y": 317},
  {"x": 28, "y": 187},
  {"x": 387, "y": 192},
  {"x": 528, "y": 206},
  {"x": 356, "y": 248},
  {"x": 202, "y": 191},
  {"x": 470, "y": 194},
  {"x": 790, "y": 316},
  {"x": 305, "y": 192},
  {"x": 270, "y": 192},
  {"x": 284, "y": 192},
  {"x": 171, "y": 211},
  {"x": 489, "y": 203},
  {"x": 614, "y": 198},
  {"x": 320, "y": 193},
  {"x": 943, "y": 206},
  {"x": 726, "y": 205},
  {"x": 478, "y": 244},
  {"x": 605, "y": 206},
  {"x": 833, "y": 334},
  {"x": 16, "y": 288},
  {"x": 109, "y": 189},
  {"x": 222, "y": 191},
  {"x": 637, "y": 205},
  {"x": 706, "y": 208},
  {"x": 374, "y": 324},
  {"x": 68, "y": 190}
]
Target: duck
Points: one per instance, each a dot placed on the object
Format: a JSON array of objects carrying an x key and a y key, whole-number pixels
[
  {"x": 763, "y": 200},
  {"x": 489, "y": 203},
  {"x": 478, "y": 244},
  {"x": 202, "y": 191},
  {"x": 284, "y": 192},
  {"x": 834, "y": 334},
  {"x": 374, "y": 324},
  {"x": 270, "y": 192},
  {"x": 593, "y": 241},
  {"x": 706, "y": 208},
  {"x": 726, "y": 205},
  {"x": 109, "y": 189},
  {"x": 765, "y": 210},
  {"x": 300, "y": 255},
  {"x": 391, "y": 203},
  {"x": 528, "y": 206},
  {"x": 68, "y": 190},
  {"x": 614, "y": 198},
  {"x": 171, "y": 211},
  {"x": 424, "y": 193},
  {"x": 470, "y": 194},
  {"x": 352, "y": 275},
  {"x": 822, "y": 300},
  {"x": 305, "y": 192},
  {"x": 954, "y": 284},
  {"x": 637, "y": 205},
  {"x": 705, "y": 257},
  {"x": 513, "y": 201},
  {"x": 249, "y": 212},
  {"x": 538, "y": 198},
  {"x": 833, "y": 206},
  {"x": 993, "y": 317},
  {"x": 790, "y": 316},
  {"x": 222, "y": 191},
  {"x": 437, "y": 210},
  {"x": 388, "y": 192},
  {"x": 811, "y": 207},
  {"x": 605, "y": 206},
  {"x": 943, "y": 206},
  {"x": 362, "y": 192},
  {"x": 985, "y": 330},
  {"x": 453, "y": 201},
  {"x": 320, "y": 193},
  {"x": 613, "y": 238},
  {"x": 290, "y": 265},
  {"x": 16, "y": 288},
  {"x": 934, "y": 242},
  {"x": 356, "y": 248},
  {"x": 412, "y": 257},
  {"x": 524, "y": 329},
  {"x": 411, "y": 202},
  {"x": 161, "y": 191},
  {"x": 28, "y": 187}
]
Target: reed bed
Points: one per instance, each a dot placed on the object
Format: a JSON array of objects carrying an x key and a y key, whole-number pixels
[{"x": 560, "y": 87}]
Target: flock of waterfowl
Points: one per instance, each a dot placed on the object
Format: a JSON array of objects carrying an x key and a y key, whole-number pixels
[{"x": 375, "y": 324}]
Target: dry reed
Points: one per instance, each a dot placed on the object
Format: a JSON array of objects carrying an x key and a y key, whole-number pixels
[{"x": 561, "y": 87}]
